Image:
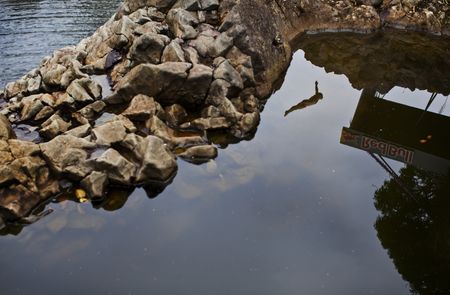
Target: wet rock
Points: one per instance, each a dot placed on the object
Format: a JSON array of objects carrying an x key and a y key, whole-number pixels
[
  {"x": 141, "y": 108},
  {"x": 95, "y": 184},
  {"x": 150, "y": 80},
  {"x": 181, "y": 23},
  {"x": 68, "y": 154},
  {"x": 109, "y": 133},
  {"x": 80, "y": 131},
  {"x": 20, "y": 148},
  {"x": 6, "y": 131},
  {"x": 84, "y": 90},
  {"x": 148, "y": 48},
  {"x": 18, "y": 201},
  {"x": 53, "y": 126},
  {"x": 118, "y": 168},
  {"x": 175, "y": 114},
  {"x": 173, "y": 53}
]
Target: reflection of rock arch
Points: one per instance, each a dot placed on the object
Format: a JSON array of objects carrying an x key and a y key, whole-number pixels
[{"x": 416, "y": 231}]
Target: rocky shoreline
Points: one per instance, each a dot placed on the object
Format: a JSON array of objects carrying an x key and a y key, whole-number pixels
[{"x": 162, "y": 79}]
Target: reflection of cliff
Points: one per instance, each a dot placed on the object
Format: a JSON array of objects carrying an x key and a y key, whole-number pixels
[
  {"x": 416, "y": 231},
  {"x": 383, "y": 60}
]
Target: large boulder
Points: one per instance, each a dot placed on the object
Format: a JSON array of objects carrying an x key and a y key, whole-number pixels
[
  {"x": 117, "y": 167},
  {"x": 150, "y": 80}
]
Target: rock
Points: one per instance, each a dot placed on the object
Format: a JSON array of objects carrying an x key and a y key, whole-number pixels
[
  {"x": 157, "y": 162},
  {"x": 191, "y": 55},
  {"x": 150, "y": 80},
  {"x": 246, "y": 125},
  {"x": 53, "y": 126},
  {"x": 68, "y": 154},
  {"x": 20, "y": 148},
  {"x": 6, "y": 131},
  {"x": 173, "y": 53},
  {"x": 148, "y": 48},
  {"x": 199, "y": 154},
  {"x": 218, "y": 90},
  {"x": 91, "y": 110},
  {"x": 44, "y": 113},
  {"x": 118, "y": 168},
  {"x": 95, "y": 184},
  {"x": 196, "y": 88},
  {"x": 225, "y": 71},
  {"x": 18, "y": 201},
  {"x": 210, "y": 112},
  {"x": 31, "y": 105},
  {"x": 204, "y": 45},
  {"x": 208, "y": 123},
  {"x": 161, "y": 130},
  {"x": 209, "y": 4},
  {"x": 181, "y": 23},
  {"x": 129, "y": 126},
  {"x": 189, "y": 5},
  {"x": 141, "y": 108},
  {"x": 80, "y": 131},
  {"x": 28, "y": 84},
  {"x": 84, "y": 90},
  {"x": 175, "y": 114},
  {"x": 109, "y": 133}
]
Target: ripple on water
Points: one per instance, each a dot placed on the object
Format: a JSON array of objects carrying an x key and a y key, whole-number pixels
[{"x": 29, "y": 30}]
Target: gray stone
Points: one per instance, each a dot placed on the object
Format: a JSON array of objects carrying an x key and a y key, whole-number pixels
[
  {"x": 209, "y": 4},
  {"x": 175, "y": 114},
  {"x": 95, "y": 184},
  {"x": 109, "y": 133},
  {"x": 150, "y": 80},
  {"x": 208, "y": 123},
  {"x": 226, "y": 71},
  {"x": 181, "y": 23},
  {"x": 118, "y": 168},
  {"x": 173, "y": 52},
  {"x": 68, "y": 154},
  {"x": 141, "y": 108},
  {"x": 157, "y": 162},
  {"x": 148, "y": 48},
  {"x": 201, "y": 152}
]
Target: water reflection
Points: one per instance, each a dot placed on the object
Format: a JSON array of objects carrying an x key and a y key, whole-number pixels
[
  {"x": 307, "y": 102},
  {"x": 413, "y": 223}
]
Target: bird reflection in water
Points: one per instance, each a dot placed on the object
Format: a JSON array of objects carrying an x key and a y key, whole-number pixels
[{"x": 307, "y": 102}]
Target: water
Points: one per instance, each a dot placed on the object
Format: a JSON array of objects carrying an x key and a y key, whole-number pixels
[
  {"x": 291, "y": 211},
  {"x": 31, "y": 29}
]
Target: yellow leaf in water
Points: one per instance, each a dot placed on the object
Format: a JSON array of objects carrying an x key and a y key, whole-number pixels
[{"x": 81, "y": 195}]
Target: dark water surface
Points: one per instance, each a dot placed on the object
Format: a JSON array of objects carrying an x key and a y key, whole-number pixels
[{"x": 293, "y": 211}]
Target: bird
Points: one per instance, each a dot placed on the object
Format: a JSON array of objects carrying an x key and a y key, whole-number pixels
[{"x": 307, "y": 102}]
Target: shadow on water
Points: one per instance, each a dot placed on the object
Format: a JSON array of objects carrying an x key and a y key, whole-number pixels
[{"x": 413, "y": 223}]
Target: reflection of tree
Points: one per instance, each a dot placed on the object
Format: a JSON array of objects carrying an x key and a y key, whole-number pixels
[{"x": 416, "y": 231}]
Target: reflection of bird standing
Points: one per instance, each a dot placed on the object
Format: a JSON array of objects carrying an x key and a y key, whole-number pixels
[{"x": 307, "y": 102}]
